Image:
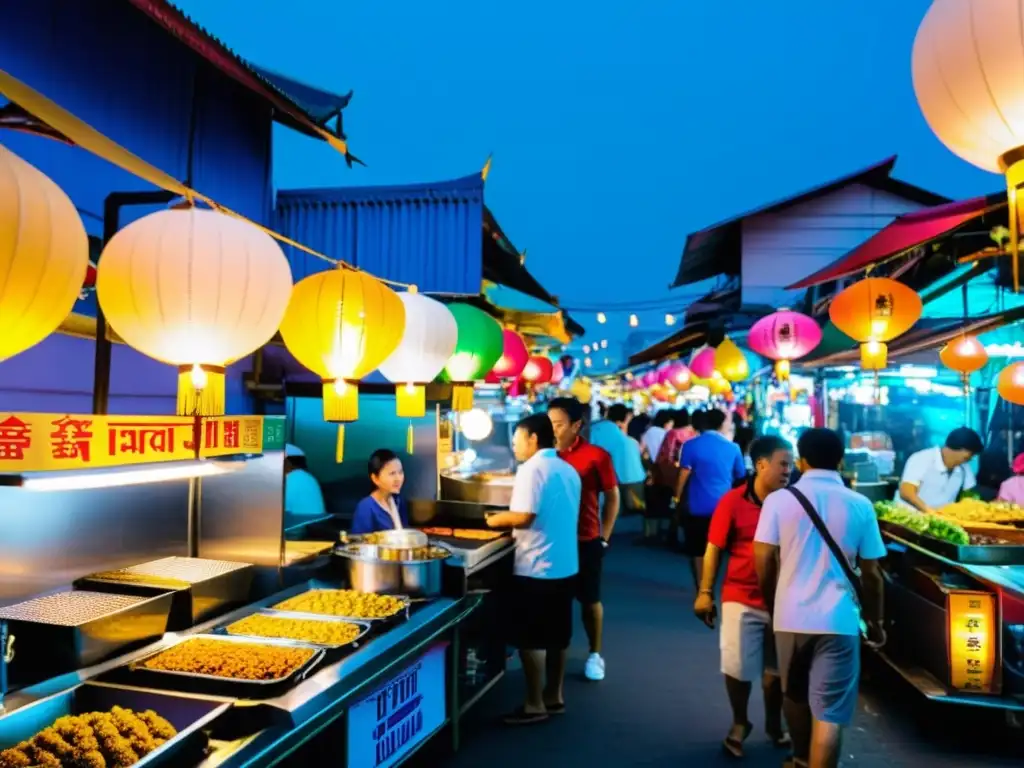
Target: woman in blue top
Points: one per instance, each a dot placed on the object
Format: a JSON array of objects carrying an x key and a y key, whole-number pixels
[{"x": 384, "y": 509}]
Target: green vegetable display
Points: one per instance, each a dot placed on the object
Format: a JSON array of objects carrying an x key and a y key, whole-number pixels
[{"x": 928, "y": 525}]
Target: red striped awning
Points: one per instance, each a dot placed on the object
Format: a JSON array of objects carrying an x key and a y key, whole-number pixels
[{"x": 907, "y": 231}]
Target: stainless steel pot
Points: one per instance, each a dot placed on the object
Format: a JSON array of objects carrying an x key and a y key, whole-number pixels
[{"x": 368, "y": 572}]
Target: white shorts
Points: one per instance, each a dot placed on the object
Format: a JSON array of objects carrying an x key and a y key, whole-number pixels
[{"x": 747, "y": 642}]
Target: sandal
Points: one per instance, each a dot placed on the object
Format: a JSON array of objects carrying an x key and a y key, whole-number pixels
[
  {"x": 734, "y": 746},
  {"x": 520, "y": 716},
  {"x": 555, "y": 709}
]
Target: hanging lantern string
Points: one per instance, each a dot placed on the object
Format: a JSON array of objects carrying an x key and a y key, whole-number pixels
[{"x": 87, "y": 137}]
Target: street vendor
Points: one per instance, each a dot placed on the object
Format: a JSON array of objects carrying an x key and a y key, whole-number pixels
[
  {"x": 302, "y": 494},
  {"x": 384, "y": 509},
  {"x": 935, "y": 477}
]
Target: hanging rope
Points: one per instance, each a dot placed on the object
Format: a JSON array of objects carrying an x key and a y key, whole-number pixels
[{"x": 87, "y": 137}]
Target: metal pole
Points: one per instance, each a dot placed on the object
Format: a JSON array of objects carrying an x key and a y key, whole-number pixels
[{"x": 111, "y": 224}]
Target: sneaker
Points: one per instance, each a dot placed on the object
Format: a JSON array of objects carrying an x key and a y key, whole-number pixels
[{"x": 594, "y": 670}]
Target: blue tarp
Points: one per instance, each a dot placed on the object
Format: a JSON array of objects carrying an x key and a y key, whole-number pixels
[{"x": 427, "y": 234}]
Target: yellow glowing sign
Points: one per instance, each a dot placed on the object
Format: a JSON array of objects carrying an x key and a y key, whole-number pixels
[
  {"x": 973, "y": 635},
  {"x": 35, "y": 442}
]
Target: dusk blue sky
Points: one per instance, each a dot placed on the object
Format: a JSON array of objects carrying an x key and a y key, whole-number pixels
[{"x": 616, "y": 128}]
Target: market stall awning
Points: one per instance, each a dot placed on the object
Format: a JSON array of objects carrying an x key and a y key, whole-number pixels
[
  {"x": 717, "y": 250},
  {"x": 504, "y": 264},
  {"x": 929, "y": 333},
  {"x": 682, "y": 341},
  {"x": 906, "y": 232}
]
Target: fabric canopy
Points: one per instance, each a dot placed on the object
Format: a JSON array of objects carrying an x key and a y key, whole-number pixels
[{"x": 907, "y": 231}]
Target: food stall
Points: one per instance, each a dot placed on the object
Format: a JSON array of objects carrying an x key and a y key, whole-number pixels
[{"x": 160, "y": 637}]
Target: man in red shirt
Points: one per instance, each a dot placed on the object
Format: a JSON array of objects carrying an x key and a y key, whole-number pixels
[
  {"x": 746, "y": 640},
  {"x": 597, "y": 473}
]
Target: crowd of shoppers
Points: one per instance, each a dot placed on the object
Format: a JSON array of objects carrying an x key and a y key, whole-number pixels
[{"x": 802, "y": 586}]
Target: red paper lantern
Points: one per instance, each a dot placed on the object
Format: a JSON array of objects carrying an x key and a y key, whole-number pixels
[
  {"x": 538, "y": 370},
  {"x": 557, "y": 373}
]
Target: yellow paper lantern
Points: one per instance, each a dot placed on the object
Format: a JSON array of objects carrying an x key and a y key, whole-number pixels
[
  {"x": 195, "y": 289},
  {"x": 44, "y": 255},
  {"x": 730, "y": 361},
  {"x": 782, "y": 369},
  {"x": 581, "y": 390},
  {"x": 342, "y": 324}
]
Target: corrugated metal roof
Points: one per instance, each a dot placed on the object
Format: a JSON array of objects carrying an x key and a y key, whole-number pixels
[{"x": 426, "y": 234}]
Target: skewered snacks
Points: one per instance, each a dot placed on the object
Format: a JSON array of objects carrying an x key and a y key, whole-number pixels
[
  {"x": 308, "y": 630},
  {"x": 115, "y": 739},
  {"x": 343, "y": 602},
  {"x": 238, "y": 661}
]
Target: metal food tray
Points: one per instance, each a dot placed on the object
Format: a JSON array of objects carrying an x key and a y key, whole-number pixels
[
  {"x": 213, "y": 586},
  {"x": 136, "y": 674},
  {"x": 365, "y": 624},
  {"x": 401, "y": 615},
  {"x": 65, "y": 631},
  {"x": 189, "y": 715},
  {"x": 966, "y": 554}
]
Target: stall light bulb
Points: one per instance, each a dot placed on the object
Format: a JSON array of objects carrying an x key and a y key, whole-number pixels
[
  {"x": 606, "y": 361},
  {"x": 634, "y": 321},
  {"x": 670, "y": 319},
  {"x": 199, "y": 377},
  {"x": 604, "y": 343},
  {"x": 476, "y": 424},
  {"x": 140, "y": 475},
  {"x": 601, "y": 317},
  {"x": 586, "y": 349},
  {"x": 586, "y": 362}
]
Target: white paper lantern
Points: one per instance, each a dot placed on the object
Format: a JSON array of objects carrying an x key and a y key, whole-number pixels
[
  {"x": 195, "y": 289},
  {"x": 426, "y": 346},
  {"x": 968, "y": 70}
]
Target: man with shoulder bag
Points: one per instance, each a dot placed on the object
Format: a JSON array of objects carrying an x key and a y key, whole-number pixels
[{"x": 808, "y": 537}]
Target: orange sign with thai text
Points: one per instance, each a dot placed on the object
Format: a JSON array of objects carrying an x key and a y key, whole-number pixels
[
  {"x": 34, "y": 442},
  {"x": 973, "y": 638}
]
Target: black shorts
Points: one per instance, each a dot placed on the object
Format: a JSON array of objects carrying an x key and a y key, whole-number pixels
[
  {"x": 695, "y": 529},
  {"x": 539, "y": 613},
  {"x": 588, "y": 581}
]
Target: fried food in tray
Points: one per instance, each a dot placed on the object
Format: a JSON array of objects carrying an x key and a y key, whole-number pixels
[
  {"x": 115, "y": 739},
  {"x": 306, "y": 630},
  {"x": 344, "y": 602},
  {"x": 228, "y": 659},
  {"x": 475, "y": 534},
  {"x": 978, "y": 511},
  {"x": 438, "y": 531}
]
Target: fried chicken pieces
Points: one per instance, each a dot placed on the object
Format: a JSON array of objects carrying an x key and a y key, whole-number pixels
[
  {"x": 115, "y": 739},
  {"x": 239, "y": 661}
]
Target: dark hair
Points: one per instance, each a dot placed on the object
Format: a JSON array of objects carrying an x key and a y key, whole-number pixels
[
  {"x": 602, "y": 409},
  {"x": 965, "y": 439},
  {"x": 713, "y": 420},
  {"x": 766, "y": 446},
  {"x": 540, "y": 425},
  {"x": 638, "y": 426},
  {"x": 663, "y": 417},
  {"x": 680, "y": 418},
  {"x": 821, "y": 448},
  {"x": 380, "y": 459},
  {"x": 743, "y": 438},
  {"x": 572, "y": 407},
  {"x": 617, "y": 413},
  {"x": 297, "y": 462},
  {"x": 698, "y": 420}
]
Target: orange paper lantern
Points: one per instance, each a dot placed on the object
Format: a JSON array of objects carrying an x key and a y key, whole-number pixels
[
  {"x": 1011, "y": 383},
  {"x": 875, "y": 309},
  {"x": 965, "y": 355}
]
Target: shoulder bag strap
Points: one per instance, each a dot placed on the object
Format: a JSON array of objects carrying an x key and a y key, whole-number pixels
[{"x": 837, "y": 553}]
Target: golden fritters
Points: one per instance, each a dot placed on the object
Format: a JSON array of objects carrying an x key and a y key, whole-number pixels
[
  {"x": 309, "y": 630},
  {"x": 343, "y": 602},
  {"x": 238, "y": 661},
  {"x": 115, "y": 739}
]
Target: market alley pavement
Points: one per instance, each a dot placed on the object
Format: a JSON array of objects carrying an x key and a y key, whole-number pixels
[{"x": 663, "y": 701}]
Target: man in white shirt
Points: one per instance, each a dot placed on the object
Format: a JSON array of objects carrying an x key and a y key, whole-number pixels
[
  {"x": 935, "y": 477},
  {"x": 813, "y": 602},
  {"x": 543, "y": 514},
  {"x": 655, "y": 434}
]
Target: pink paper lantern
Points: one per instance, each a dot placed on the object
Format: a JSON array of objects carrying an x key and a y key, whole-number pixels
[
  {"x": 679, "y": 376},
  {"x": 784, "y": 335},
  {"x": 664, "y": 373},
  {"x": 650, "y": 379},
  {"x": 702, "y": 364},
  {"x": 514, "y": 356},
  {"x": 557, "y": 373}
]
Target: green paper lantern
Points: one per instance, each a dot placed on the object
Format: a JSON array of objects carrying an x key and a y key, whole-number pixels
[{"x": 478, "y": 349}]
